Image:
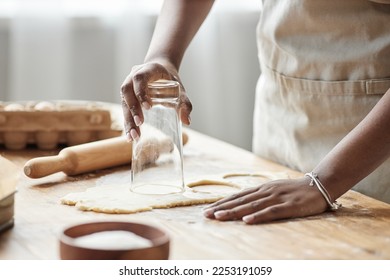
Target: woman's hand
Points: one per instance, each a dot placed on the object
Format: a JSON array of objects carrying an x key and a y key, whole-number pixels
[
  {"x": 274, "y": 200},
  {"x": 134, "y": 95}
]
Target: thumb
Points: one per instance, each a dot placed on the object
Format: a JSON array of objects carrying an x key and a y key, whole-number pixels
[{"x": 185, "y": 108}]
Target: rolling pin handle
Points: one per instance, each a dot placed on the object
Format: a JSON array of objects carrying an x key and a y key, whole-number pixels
[{"x": 44, "y": 166}]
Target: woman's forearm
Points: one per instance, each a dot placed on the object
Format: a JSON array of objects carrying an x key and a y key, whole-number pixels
[
  {"x": 365, "y": 148},
  {"x": 176, "y": 26}
]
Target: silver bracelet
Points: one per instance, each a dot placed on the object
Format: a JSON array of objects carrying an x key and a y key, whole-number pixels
[{"x": 316, "y": 181}]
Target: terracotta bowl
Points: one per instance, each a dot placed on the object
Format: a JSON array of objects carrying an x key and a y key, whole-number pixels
[{"x": 72, "y": 250}]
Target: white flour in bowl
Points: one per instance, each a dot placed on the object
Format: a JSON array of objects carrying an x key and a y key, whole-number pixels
[{"x": 112, "y": 240}]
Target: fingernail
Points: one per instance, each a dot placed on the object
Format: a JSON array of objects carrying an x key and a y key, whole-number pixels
[
  {"x": 208, "y": 212},
  {"x": 134, "y": 134},
  {"x": 146, "y": 105},
  {"x": 137, "y": 120},
  {"x": 220, "y": 214},
  {"x": 248, "y": 219},
  {"x": 128, "y": 137}
]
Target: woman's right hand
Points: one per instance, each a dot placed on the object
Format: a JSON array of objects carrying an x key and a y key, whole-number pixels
[{"x": 134, "y": 95}]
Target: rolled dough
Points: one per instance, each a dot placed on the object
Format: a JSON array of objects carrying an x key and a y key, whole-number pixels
[{"x": 118, "y": 199}]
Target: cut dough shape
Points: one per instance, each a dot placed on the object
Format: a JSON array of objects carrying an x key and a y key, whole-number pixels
[
  {"x": 247, "y": 180},
  {"x": 118, "y": 199}
]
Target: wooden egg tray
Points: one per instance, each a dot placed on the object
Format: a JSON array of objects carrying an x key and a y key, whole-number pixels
[{"x": 49, "y": 124}]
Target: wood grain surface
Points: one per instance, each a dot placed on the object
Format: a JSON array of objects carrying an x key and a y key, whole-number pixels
[{"x": 360, "y": 230}]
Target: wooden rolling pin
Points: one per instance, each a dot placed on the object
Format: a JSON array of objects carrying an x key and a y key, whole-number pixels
[{"x": 84, "y": 158}]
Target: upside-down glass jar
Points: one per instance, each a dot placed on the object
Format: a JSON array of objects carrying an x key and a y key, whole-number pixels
[{"x": 157, "y": 156}]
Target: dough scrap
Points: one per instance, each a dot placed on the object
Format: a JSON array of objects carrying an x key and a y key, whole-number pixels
[{"x": 118, "y": 199}]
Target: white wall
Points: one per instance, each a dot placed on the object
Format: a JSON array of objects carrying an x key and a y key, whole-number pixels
[{"x": 53, "y": 49}]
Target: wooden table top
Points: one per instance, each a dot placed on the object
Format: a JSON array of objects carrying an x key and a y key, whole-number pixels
[{"x": 360, "y": 230}]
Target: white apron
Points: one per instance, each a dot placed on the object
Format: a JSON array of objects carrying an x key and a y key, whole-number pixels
[{"x": 325, "y": 64}]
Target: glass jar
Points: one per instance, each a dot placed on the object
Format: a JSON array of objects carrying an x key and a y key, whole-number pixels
[{"x": 157, "y": 156}]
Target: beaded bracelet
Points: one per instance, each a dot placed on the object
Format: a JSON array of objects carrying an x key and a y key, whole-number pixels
[{"x": 315, "y": 180}]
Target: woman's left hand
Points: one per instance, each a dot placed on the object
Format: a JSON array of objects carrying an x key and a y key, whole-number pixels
[{"x": 274, "y": 200}]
